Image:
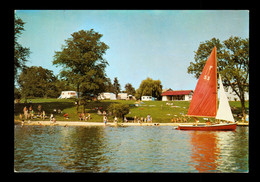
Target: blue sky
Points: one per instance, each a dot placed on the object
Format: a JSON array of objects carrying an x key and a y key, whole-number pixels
[{"x": 159, "y": 44}]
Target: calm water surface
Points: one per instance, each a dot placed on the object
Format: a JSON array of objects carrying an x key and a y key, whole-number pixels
[{"x": 128, "y": 149}]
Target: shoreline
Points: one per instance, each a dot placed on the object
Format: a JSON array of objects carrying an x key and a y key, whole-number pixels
[{"x": 81, "y": 123}]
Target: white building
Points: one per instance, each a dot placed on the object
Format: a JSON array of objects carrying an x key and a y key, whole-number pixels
[
  {"x": 107, "y": 95},
  {"x": 68, "y": 95},
  {"x": 171, "y": 95},
  {"x": 232, "y": 96}
]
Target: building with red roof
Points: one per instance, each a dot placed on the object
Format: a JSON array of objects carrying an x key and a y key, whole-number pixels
[{"x": 170, "y": 95}]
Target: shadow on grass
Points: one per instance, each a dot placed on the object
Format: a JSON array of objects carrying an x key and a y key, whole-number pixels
[{"x": 48, "y": 107}]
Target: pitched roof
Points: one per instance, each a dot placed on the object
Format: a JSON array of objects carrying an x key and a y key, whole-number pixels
[{"x": 177, "y": 92}]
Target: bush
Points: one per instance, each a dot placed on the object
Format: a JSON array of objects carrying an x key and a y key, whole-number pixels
[{"x": 119, "y": 110}]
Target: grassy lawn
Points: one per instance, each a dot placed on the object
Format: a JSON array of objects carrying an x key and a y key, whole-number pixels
[{"x": 159, "y": 111}]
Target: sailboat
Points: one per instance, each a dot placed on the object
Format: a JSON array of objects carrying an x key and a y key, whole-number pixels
[{"x": 205, "y": 100}]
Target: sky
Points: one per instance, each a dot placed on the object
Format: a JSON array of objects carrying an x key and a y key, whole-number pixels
[{"x": 159, "y": 44}]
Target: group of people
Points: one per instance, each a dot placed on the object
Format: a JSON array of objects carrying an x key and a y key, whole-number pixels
[
  {"x": 28, "y": 113},
  {"x": 179, "y": 120},
  {"x": 147, "y": 119},
  {"x": 84, "y": 117},
  {"x": 105, "y": 119}
]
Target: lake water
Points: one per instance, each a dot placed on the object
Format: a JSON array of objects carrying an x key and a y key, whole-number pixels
[{"x": 129, "y": 149}]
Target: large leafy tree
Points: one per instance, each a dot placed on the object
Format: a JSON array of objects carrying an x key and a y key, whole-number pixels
[
  {"x": 233, "y": 63},
  {"x": 149, "y": 87},
  {"x": 37, "y": 82},
  {"x": 21, "y": 53},
  {"x": 130, "y": 90},
  {"x": 82, "y": 62},
  {"x": 119, "y": 110}
]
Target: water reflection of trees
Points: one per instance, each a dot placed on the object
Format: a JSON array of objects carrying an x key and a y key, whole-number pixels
[{"x": 83, "y": 149}]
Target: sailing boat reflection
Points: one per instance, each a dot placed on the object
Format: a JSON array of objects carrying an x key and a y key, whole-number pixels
[{"x": 205, "y": 151}]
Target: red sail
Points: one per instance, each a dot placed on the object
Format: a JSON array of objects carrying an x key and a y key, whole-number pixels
[{"x": 204, "y": 99}]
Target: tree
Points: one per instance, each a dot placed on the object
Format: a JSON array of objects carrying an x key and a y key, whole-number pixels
[
  {"x": 21, "y": 53},
  {"x": 119, "y": 110},
  {"x": 116, "y": 86},
  {"x": 37, "y": 82},
  {"x": 149, "y": 87},
  {"x": 63, "y": 85},
  {"x": 130, "y": 90},
  {"x": 233, "y": 63},
  {"x": 17, "y": 93},
  {"x": 83, "y": 64},
  {"x": 108, "y": 85}
]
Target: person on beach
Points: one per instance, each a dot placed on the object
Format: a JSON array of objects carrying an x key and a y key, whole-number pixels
[
  {"x": 105, "y": 120},
  {"x": 115, "y": 119},
  {"x": 142, "y": 119},
  {"x": 53, "y": 120},
  {"x": 148, "y": 118},
  {"x": 88, "y": 117},
  {"x": 32, "y": 114},
  {"x": 21, "y": 117},
  {"x": 99, "y": 112},
  {"x": 43, "y": 115},
  {"x": 30, "y": 109},
  {"x": 51, "y": 117},
  {"x": 83, "y": 116},
  {"x": 125, "y": 120},
  {"x": 25, "y": 112},
  {"x": 39, "y": 109},
  {"x": 80, "y": 117}
]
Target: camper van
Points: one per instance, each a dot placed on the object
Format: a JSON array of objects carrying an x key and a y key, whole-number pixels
[
  {"x": 107, "y": 95},
  {"x": 68, "y": 95},
  {"x": 147, "y": 98},
  {"x": 122, "y": 96}
]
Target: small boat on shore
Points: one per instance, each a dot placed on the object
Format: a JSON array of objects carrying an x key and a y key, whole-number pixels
[
  {"x": 213, "y": 127},
  {"x": 205, "y": 100}
]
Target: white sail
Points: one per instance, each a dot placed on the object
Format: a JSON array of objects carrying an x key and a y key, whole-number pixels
[{"x": 224, "y": 110}]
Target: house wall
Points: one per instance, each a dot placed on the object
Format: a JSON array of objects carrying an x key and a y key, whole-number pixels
[
  {"x": 164, "y": 98},
  {"x": 232, "y": 96},
  {"x": 188, "y": 97},
  {"x": 176, "y": 97}
]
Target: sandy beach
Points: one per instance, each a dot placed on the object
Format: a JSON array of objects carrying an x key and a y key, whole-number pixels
[{"x": 81, "y": 123}]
